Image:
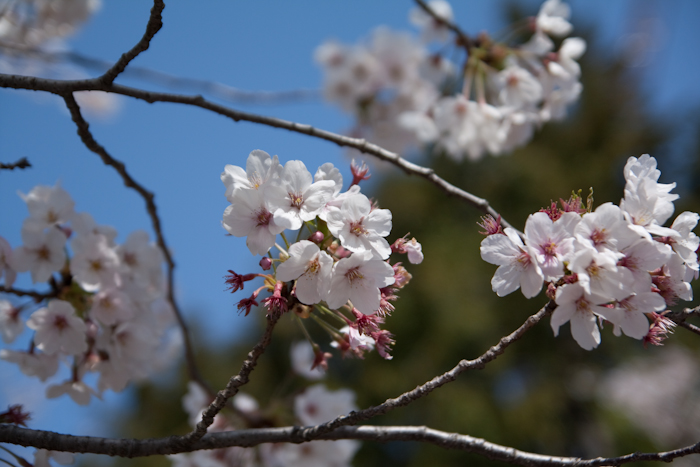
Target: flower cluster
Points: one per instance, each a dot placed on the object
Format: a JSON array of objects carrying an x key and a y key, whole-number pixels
[
  {"x": 402, "y": 95},
  {"x": 106, "y": 311},
  {"x": 616, "y": 264},
  {"x": 341, "y": 264}
]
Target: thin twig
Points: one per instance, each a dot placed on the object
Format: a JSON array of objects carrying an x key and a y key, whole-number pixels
[
  {"x": 214, "y": 89},
  {"x": 23, "y": 163},
  {"x": 253, "y": 437},
  {"x": 28, "y": 293},
  {"x": 463, "y": 37},
  {"x": 94, "y": 146},
  {"x": 690, "y": 327},
  {"x": 234, "y": 383},
  {"x": 155, "y": 22},
  {"x": 62, "y": 87},
  {"x": 426, "y": 388}
]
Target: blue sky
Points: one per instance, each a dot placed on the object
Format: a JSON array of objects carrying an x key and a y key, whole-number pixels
[{"x": 179, "y": 152}]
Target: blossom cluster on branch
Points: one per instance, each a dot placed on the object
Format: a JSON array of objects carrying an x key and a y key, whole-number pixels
[
  {"x": 489, "y": 101},
  {"x": 105, "y": 312},
  {"x": 341, "y": 264},
  {"x": 617, "y": 264}
]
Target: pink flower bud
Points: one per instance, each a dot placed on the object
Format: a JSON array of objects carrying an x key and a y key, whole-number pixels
[
  {"x": 265, "y": 263},
  {"x": 317, "y": 237}
]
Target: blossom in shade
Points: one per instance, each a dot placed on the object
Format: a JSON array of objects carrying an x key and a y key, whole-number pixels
[
  {"x": 630, "y": 314},
  {"x": 95, "y": 263},
  {"x": 6, "y": 268},
  {"x": 358, "y": 279},
  {"x": 431, "y": 29},
  {"x": 80, "y": 392},
  {"x": 37, "y": 364},
  {"x": 553, "y": 18},
  {"x": 11, "y": 325},
  {"x": 42, "y": 456},
  {"x": 303, "y": 359},
  {"x": 48, "y": 206},
  {"x": 42, "y": 253},
  {"x": 58, "y": 329},
  {"x": 318, "y": 405}
]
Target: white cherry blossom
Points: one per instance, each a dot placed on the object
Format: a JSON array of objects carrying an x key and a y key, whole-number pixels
[
  {"x": 361, "y": 228},
  {"x": 261, "y": 169},
  {"x": 358, "y": 279},
  {"x": 311, "y": 268},
  {"x": 42, "y": 253},
  {"x": 48, "y": 206},
  {"x": 552, "y": 241},
  {"x": 318, "y": 405},
  {"x": 37, "y": 364},
  {"x": 58, "y": 329},
  {"x": 553, "y": 18},
  {"x": 297, "y": 199},
  {"x": 249, "y": 216},
  {"x": 432, "y": 30},
  {"x": 11, "y": 325},
  {"x": 517, "y": 265},
  {"x": 581, "y": 309},
  {"x": 6, "y": 263},
  {"x": 80, "y": 392}
]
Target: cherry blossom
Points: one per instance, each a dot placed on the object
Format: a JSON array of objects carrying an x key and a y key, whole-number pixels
[
  {"x": 11, "y": 325},
  {"x": 311, "y": 268},
  {"x": 249, "y": 216},
  {"x": 361, "y": 228},
  {"x": 6, "y": 261},
  {"x": 42, "y": 253},
  {"x": 358, "y": 279},
  {"x": 261, "y": 169},
  {"x": 318, "y": 405},
  {"x": 517, "y": 265},
  {"x": 58, "y": 329}
]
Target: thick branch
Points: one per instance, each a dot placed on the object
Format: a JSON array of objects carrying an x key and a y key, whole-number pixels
[
  {"x": 62, "y": 87},
  {"x": 428, "y": 387},
  {"x": 155, "y": 22},
  {"x": 23, "y": 163},
  {"x": 253, "y": 437},
  {"x": 234, "y": 383},
  {"x": 94, "y": 146}
]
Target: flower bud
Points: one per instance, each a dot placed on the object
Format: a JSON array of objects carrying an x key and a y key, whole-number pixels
[{"x": 265, "y": 263}]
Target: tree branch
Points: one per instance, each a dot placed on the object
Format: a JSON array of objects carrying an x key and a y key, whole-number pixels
[
  {"x": 28, "y": 293},
  {"x": 155, "y": 22},
  {"x": 428, "y": 387},
  {"x": 212, "y": 88},
  {"x": 94, "y": 146},
  {"x": 61, "y": 87},
  {"x": 253, "y": 437},
  {"x": 234, "y": 383},
  {"x": 23, "y": 163},
  {"x": 463, "y": 37}
]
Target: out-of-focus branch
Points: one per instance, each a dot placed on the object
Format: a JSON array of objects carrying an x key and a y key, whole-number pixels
[
  {"x": 234, "y": 383},
  {"x": 211, "y": 88},
  {"x": 28, "y": 293},
  {"x": 428, "y": 387},
  {"x": 120, "y": 167},
  {"x": 253, "y": 437},
  {"x": 23, "y": 163},
  {"x": 463, "y": 37},
  {"x": 62, "y": 87},
  {"x": 155, "y": 22}
]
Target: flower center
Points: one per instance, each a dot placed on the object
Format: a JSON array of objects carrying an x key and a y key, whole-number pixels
[
  {"x": 255, "y": 180},
  {"x": 354, "y": 274},
  {"x": 263, "y": 216},
  {"x": 598, "y": 237},
  {"x": 357, "y": 229},
  {"x": 297, "y": 199}
]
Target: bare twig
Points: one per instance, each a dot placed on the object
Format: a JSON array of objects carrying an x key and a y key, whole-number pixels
[
  {"x": 463, "y": 37},
  {"x": 690, "y": 327},
  {"x": 155, "y": 22},
  {"x": 94, "y": 146},
  {"x": 62, "y": 87},
  {"x": 253, "y": 437},
  {"x": 234, "y": 383},
  {"x": 23, "y": 163},
  {"x": 428, "y": 387},
  {"x": 214, "y": 89}
]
